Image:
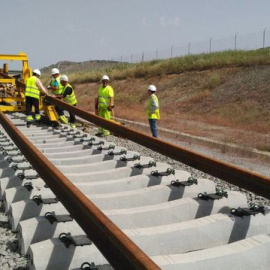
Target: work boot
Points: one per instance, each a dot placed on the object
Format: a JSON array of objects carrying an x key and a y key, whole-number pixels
[
  {"x": 99, "y": 134},
  {"x": 72, "y": 125},
  {"x": 63, "y": 119},
  {"x": 106, "y": 133}
]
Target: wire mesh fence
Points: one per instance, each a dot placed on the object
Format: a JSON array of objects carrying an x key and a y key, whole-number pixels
[{"x": 236, "y": 42}]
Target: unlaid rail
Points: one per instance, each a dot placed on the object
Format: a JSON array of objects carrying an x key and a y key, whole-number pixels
[{"x": 254, "y": 182}]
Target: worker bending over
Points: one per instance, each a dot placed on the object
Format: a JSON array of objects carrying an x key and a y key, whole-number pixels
[
  {"x": 69, "y": 97},
  {"x": 32, "y": 94},
  {"x": 104, "y": 103},
  {"x": 57, "y": 90},
  {"x": 153, "y": 110}
]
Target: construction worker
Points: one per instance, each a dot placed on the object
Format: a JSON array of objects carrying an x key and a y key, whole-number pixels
[
  {"x": 32, "y": 94},
  {"x": 104, "y": 103},
  {"x": 69, "y": 97},
  {"x": 153, "y": 110},
  {"x": 57, "y": 90}
]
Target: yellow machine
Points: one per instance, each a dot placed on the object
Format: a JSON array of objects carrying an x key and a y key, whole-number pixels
[{"x": 12, "y": 87}]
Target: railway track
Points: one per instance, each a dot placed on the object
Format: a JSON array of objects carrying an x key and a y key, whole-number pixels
[{"x": 81, "y": 202}]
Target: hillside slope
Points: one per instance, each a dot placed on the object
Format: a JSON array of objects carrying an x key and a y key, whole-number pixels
[
  {"x": 70, "y": 67},
  {"x": 224, "y": 104}
]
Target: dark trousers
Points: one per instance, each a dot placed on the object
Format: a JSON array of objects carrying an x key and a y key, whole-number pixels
[
  {"x": 72, "y": 118},
  {"x": 153, "y": 127},
  {"x": 30, "y": 102},
  {"x": 59, "y": 110}
]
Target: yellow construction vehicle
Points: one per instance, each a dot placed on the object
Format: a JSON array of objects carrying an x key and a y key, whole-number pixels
[{"x": 12, "y": 87}]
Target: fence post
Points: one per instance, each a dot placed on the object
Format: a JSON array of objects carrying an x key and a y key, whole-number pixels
[
  {"x": 171, "y": 51},
  {"x": 189, "y": 48},
  {"x": 210, "y": 46},
  {"x": 264, "y": 36},
  {"x": 235, "y": 36},
  {"x": 142, "y": 56}
]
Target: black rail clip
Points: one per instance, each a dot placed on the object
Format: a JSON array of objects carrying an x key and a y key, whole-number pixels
[
  {"x": 73, "y": 133},
  {"x": 88, "y": 266},
  {"x": 51, "y": 217},
  {"x": 14, "y": 167},
  {"x": 220, "y": 193},
  {"x": 97, "y": 143},
  {"x": 21, "y": 176},
  {"x": 252, "y": 210},
  {"x": 149, "y": 165},
  {"x": 191, "y": 181},
  {"x": 89, "y": 139},
  {"x": 121, "y": 152},
  {"x": 39, "y": 200},
  {"x": 169, "y": 171},
  {"x": 79, "y": 240},
  {"x": 9, "y": 159},
  {"x": 111, "y": 146},
  {"x": 28, "y": 186},
  {"x": 135, "y": 157}
]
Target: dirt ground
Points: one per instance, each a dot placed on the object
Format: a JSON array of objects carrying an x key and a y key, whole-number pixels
[{"x": 229, "y": 105}]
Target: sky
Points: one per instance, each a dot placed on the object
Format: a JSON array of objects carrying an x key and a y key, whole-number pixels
[{"x": 49, "y": 31}]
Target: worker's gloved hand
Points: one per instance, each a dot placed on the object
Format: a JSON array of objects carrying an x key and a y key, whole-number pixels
[{"x": 110, "y": 108}]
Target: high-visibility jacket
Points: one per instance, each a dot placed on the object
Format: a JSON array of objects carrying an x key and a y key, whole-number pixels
[
  {"x": 31, "y": 89},
  {"x": 60, "y": 87},
  {"x": 70, "y": 99},
  {"x": 153, "y": 108},
  {"x": 104, "y": 95}
]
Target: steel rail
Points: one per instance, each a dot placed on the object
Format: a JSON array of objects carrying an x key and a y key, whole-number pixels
[
  {"x": 254, "y": 182},
  {"x": 119, "y": 250}
]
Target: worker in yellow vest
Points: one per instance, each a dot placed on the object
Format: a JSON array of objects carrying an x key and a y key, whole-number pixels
[
  {"x": 32, "y": 94},
  {"x": 69, "y": 97},
  {"x": 153, "y": 110},
  {"x": 57, "y": 90},
  {"x": 104, "y": 103}
]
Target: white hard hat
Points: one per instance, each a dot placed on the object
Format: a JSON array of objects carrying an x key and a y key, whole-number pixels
[
  {"x": 152, "y": 87},
  {"x": 37, "y": 71},
  {"x": 55, "y": 71},
  {"x": 105, "y": 77},
  {"x": 64, "y": 78}
]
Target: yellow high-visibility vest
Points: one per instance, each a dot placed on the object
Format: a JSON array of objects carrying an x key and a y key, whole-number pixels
[
  {"x": 70, "y": 99},
  {"x": 104, "y": 95},
  {"x": 151, "y": 113},
  {"x": 31, "y": 89},
  {"x": 60, "y": 87}
]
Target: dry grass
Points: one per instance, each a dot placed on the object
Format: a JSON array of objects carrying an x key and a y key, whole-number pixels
[{"x": 177, "y": 65}]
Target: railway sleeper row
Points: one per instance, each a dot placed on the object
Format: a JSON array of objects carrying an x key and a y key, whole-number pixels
[{"x": 180, "y": 222}]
